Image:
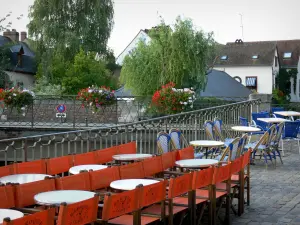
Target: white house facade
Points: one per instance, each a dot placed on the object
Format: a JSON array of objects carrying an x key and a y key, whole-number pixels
[{"x": 295, "y": 95}]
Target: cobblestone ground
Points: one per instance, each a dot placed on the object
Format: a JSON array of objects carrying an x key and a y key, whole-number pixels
[{"x": 275, "y": 192}]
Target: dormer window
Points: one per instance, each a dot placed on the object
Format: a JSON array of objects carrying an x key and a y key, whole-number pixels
[
  {"x": 287, "y": 55},
  {"x": 255, "y": 57},
  {"x": 224, "y": 57}
]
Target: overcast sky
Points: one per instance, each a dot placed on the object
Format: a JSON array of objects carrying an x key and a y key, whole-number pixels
[{"x": 262, "y": 19}]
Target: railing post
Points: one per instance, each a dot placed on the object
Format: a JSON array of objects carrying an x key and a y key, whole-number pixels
[{"x": 25, "y": 149}]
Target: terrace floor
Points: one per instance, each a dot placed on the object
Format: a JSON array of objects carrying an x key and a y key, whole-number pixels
[{"x": 275, "y": 192}]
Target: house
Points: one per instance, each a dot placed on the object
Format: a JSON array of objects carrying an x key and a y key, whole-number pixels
[
  {"x": 22, "y": 66},
  {"x": 254, "y": 64}
]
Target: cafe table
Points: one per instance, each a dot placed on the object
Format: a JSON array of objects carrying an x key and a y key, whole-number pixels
[
  {"x": 23, "y": 178},
  {"x": 206, "y": 144},
  {"x": 245, "y": 129},
  {"x": 130, "y": 184},
  {"x": 131, "y": 157},
  {"x": 273, "y": 120},
  {"x": 12, "y": 214},
  {"x": 57, "y": 197},
  {"x": 196, "y": 163},
  {"x": 290, "y": 114},
  {"x": 88, "y": 167}
]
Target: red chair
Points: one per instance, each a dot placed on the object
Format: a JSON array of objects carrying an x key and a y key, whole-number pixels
[
  {"x": 85, "y": 158},
  {"x": 169, "y": 159},
  {"x": 132, "y": 171},
  {"x": 75, "y": 182},
  {"x": 37, "y": 166},
  {"x": 128, "y": 148},
  {"x": 101, "y": 179},
  {"x": 152, "y": 166},
  {"x": 186, "y": 153},
  {"x": 46, "y": 217},
  {"x": 59, "y": 165},
  {"x": 7, "y": 199},
  {"x": 105, "y": 155},
  {"x": 6, "y": 170}
]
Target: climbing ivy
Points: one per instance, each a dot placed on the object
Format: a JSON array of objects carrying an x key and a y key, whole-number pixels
[{"x": 283, "y": 80}]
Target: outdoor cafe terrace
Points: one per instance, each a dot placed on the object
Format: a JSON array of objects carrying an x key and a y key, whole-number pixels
[{"x": 229, "y": 164}]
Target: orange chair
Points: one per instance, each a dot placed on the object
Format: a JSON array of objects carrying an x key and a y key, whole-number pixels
[
  {"x": 37, "y": 166},
  {"x": 152, "y": 166},
  {"x": 84, "y": 212},
  {"x": 24, "y": 193},
  {"x": 105, "y": 155},
  {"x": 59, "y": 165},
  {"x": 7, "y": 199},
  {"x": 169, "y": 159},
  {"x": 85, "y": 158},
  {"x": 186, "y": 153},
  {"x": 132, "y": 171},
  {"x": 6, "y": 170},
  {"x": 75, "y": 182},
  {"x": 101, "y": 179},
  {"x": 46, "y": 217},
  {"x": 128, "y": 148}
]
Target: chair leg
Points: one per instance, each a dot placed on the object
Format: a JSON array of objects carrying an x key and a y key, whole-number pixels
[
  {"x": 248, "y": 190},
  {"x": 282, "y": 147}
]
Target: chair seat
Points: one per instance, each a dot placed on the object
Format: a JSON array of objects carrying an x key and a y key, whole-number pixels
[
  {"x": 198, "y": 155},
  {"x": 252, "y": 145},
  {"x": 185, "y": 201},
  {"x": 204, "y": 193},
  {"x": 128, "y": 220},
  {"x": 156, "y": 209},
  {"x": 222, "y": 186},
  {"x": 219, "y": 157},
  {"x": 227, "y": 141}
]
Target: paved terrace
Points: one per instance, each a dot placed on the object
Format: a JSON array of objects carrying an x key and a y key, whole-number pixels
[{"x": 275, "y": 193}]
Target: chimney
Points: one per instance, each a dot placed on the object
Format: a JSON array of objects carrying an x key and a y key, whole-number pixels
[
  {"x": 13, "y": 35},
  {"x": 239, "y": 41},
  {"x": 23, "y": 35}
]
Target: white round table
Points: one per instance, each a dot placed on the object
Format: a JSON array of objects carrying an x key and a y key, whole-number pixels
[
  {"x": 206, "y": 144},
  {"x": 23, "y": 178},
  {"x": 77, "y": 169},
  {"x": 196, "y": 163},
  {"x": 12, "y": 214},
  {"x": 130, "y": 184},
  {"x": 245, "y": 129},
  {"x": 131, "y": 157},
  {"x": 57, "y": 197}
]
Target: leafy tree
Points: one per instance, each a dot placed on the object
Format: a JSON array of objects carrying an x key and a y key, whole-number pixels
[
  {"x": 178, "y": 55},
  {"x": 85, "y": 72}
]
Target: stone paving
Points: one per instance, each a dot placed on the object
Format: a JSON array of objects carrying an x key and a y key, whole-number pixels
[{"x": 275, "y": 192}]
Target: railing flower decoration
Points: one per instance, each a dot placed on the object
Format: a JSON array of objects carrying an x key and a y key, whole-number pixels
[
  {"x": 96, "y": 97},
  {"x": 169, "y": 100}
]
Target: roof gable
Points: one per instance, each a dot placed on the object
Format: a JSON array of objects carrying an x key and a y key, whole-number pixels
[{"x": 292, "y": 46}]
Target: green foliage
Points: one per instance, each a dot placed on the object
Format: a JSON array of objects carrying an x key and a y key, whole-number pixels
[
  {"x": 44, "y": 87},
  {"x": 283, "y": 80},
  {"x": 279, "y": 97},
  {"x": 180, "y": 55}
]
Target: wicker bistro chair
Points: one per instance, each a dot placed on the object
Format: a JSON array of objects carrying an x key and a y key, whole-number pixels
[
  {"x": 275, "y": 141},
  {"x": 217, "y": 126},
  {"x": 210, "y": 134},
  {"x": 163, "y": 142},
  {"x": 230, "y": 152}
]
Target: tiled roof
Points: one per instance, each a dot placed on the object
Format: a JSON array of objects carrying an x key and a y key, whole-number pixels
[{"x": 292, "y": 46}]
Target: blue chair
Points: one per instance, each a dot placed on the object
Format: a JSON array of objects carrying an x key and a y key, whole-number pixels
[
  {"x": 276, "y": 141},
  {"x": 244, "y": 122},
  {"x": 262, "y": 125},
  {"x": 290, "y": 132},
  {"x": 209, "y": 129},
  {"x": 277, "y": 109},
  {"x": 217, "y": 126},
  {"x": 163, "y": 142}
]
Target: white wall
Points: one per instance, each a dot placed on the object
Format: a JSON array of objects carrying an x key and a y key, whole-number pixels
[
  {"x": 27, "y": 79},
  {"x": 295, "y": 96},
  {"x": 263, "y": 74},
  {"x": 275, "y": 68},
  {"x": 142, "y": 36}
]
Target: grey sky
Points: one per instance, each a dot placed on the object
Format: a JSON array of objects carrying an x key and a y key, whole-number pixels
[{"x": 262, "y": 19}]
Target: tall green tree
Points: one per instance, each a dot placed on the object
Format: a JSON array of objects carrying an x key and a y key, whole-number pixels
[{"x": 180, "y": 55}]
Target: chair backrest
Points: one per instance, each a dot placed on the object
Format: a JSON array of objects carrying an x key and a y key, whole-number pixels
[
  {"x": 7, "y": 199},
  {"x": 59, "y": 165},
  {"x": 277, "y": 134},
  {"x": 178, "y": 140},
  {"x": 186, "y": 153},
  {"x": 45, "y": 217},
  {"x": 277, "y": 109},
  {"x": 237, "y": 165},
  {"x": 262, "y": 141},
  {"x": 128, "y": 148},
  {"x": 209, "y": 129},
  {"x": 120, "y": 204},
  {"x": 85, "y": 158},
  {"x": 169, "y": 159},
  {"x": 272, "y": 133},
  {"x": 180, "y": 185},
  {"x": 291, "y": 129},
  {"x": 246, "y": 158},
  {"x": 37, "y": 166},
  {"x": 152, "y": 166},
  {"x": 79, "y": 181},
  {"x": 222, "y": 173},
  {"x": 163, "y": 142},
  {"x": 24, "y": 193},
  {"x": 244, "y": 122},
  {"x": 255, "y": 117},
  {"x": 203, "y": 178},
  {"x": 242, "y": 144},
  {"x": 153, "y": 193},
  {"x": 83, "y": 212},
  {"x": 6, "y": 170},
  {"x": 132, "y": 171},
  {"x": 100, "y": 179},
  {"x": 105, "y": 155},
  {"x": 218, "y": 129},
  {"x": 234, "y": 150}
]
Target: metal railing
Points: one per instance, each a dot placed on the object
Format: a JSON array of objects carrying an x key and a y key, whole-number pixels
[
  {"x": 42, "y": 113},
  {"x": 143, "y": 132}
]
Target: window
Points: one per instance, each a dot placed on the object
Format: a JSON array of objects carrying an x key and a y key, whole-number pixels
[
  {"x": 255, "y": 57},
  {"x": 287, "y": 55},
  {"x": 224, "y": 57},
  {"x": 251, "y": 83}
]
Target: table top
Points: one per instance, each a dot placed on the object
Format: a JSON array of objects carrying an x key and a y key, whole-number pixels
[
  {"x": 196, "y": 163},
  {"x": 23, "y": 178},
  {"x": 57, "y": 197},
  {"x": 288, "y": 113},
  {"x": 130, "y": 184},
  {"x": 245, "y": 129},
  {"x": 125, "y": 157},
  {"x": 12, "y": 214},
  {"x": 207, "y": 143},
  {"x": 272, "y": 120},
  {"x": 77, "y": 169}
]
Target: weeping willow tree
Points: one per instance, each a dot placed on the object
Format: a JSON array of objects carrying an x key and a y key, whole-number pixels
[{"x": 180, "y": 55}]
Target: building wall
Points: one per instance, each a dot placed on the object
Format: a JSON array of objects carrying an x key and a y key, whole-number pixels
[
  {"x": 275, "y": 67},
  {"x": 264, "y": 76},
  {"x": 142, "y": 36},
  {"x": 295, "y": 96},
  {"x": 27, "y": 79}
]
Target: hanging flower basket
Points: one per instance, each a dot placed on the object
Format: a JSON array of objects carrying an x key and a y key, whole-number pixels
[{"x": 96, "y": 97}]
